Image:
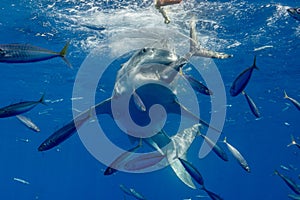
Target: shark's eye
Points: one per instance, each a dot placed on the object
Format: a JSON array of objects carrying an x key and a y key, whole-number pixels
[
  {"x": 144, "y": 50},
  {"x": 298, "y": 10}
]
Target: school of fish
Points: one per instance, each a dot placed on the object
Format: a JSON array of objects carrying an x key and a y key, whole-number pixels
[{"x": 185, "y": 170}]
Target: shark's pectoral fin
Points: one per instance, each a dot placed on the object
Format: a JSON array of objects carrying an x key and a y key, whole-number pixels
[
  {"x": 202, "y": 52},
  {"x": 181, "y": 173},
  {"x": 197, "y": 50},
  {"x": 103, "y": 107}
]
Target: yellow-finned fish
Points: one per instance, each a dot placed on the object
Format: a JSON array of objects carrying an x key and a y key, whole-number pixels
[{"x": 25, "y": 53}]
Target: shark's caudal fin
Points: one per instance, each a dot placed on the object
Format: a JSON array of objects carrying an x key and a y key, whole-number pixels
[
  {"x": 197, "y": 50},
  {"x": 63, "y": 54}
]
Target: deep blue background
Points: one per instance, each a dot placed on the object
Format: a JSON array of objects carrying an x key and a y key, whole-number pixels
[{"x": 70, "y": 172}]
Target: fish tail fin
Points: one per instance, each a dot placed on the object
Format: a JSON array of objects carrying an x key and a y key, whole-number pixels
[
  {"x": 42, "y": 100},
  {"x": 254, "y": 63},
  {"x": 293, "y": 141},
  {"x": 63, "y": 54},
  {"x": 285, "y": 95}
]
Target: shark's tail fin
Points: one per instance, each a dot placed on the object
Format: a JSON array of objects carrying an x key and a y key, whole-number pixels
[{"x": 63, "y": 54}]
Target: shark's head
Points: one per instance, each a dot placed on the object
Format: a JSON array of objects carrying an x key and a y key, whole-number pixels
[
  {"x": 294, "y": 12},
  {"x": 153, "y": 55},
  {"x": 146, "y": 64}
]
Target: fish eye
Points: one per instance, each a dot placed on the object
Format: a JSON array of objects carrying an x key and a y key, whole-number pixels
[
  {"x": 144, "y": 50},
  {"x": 298, "y": 10}
]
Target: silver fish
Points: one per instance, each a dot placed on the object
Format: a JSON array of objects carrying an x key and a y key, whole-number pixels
[
  {"x": 294, "y": 101},
  {"x": 289, "y": 182},
  {"x": 25, "y": 53},
  {"x": 21, "y": 181},
  {"x": 28, "y": 123},
  {"x": 136, "y": 194},
  {"x": 238, "y": 156},
  {"x": 215, "y": 147},
  {"x": 138, "y": 102},
  {"x": 252, "y": 105},
  {"x": 293, "y": 142}
]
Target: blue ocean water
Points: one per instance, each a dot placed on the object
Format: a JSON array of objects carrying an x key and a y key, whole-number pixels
[{"x": 241, "y": 28}]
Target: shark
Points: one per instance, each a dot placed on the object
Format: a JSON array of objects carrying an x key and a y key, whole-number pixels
[{"x": 147, "y": 82}]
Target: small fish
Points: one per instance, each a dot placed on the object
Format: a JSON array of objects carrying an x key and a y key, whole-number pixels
[
  {"x": 192, "y": 171},
  {"x": 136, "y": 195},
  {"x": 201, "y": 196},
  {"x": 21, "y": 181},
  {"x": 23, "y": 140},
  {"x": 238, "y": 156},
  {"x": 284, "y": 168},
  {"x": 125, "y": 189},
  {"x": 212, "y": 195},
  {"x": 252, "y": 105},
  {"x": 65, "y": 132},
  {"x": 295, "y": 197},
  {"x": 290, "y": 183},
  {"x": 294, "y": 101},
  {"x": 294, "y": 12},
  {"x": 293, "y": 142},
  {"x": 113, "y": 167},
  {"x": 24, "y": 53},
  {"x": 19, "y": 108},
  {"x": 197, "y": 85},
  {"x": 292, "y": 167},
  {"x": 28, "y": 123},
  {"x": 216, "y": 148},
  {"x": 240, "y": 83},
  {"x": 138, "y": 102}
]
